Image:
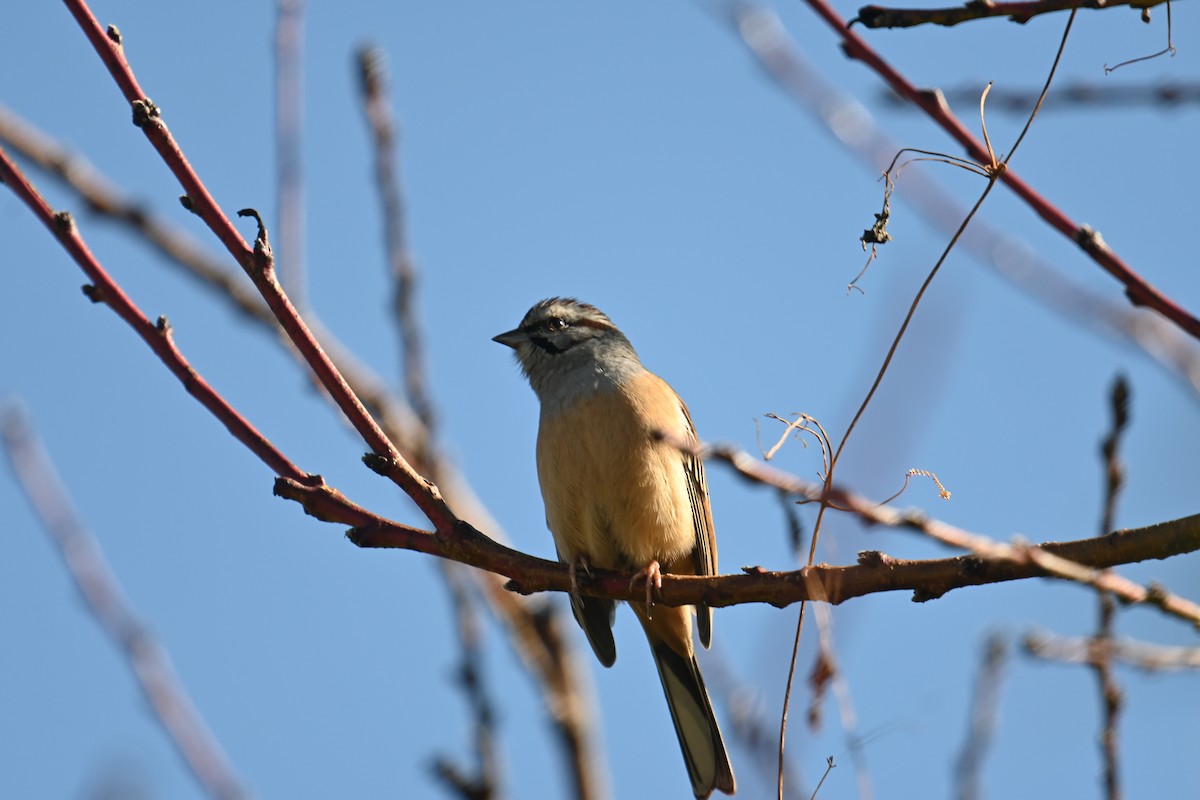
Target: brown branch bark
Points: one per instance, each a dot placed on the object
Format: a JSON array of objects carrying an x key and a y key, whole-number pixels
[{"x": 875, "y": 572}]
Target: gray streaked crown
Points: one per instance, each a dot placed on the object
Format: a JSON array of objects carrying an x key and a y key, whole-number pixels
[{"x": 567, "y": 348}]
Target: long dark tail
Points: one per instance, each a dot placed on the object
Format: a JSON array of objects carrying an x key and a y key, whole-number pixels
[{"x": 695, "y": 725}]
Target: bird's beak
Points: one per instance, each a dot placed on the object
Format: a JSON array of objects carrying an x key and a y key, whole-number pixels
[{"x": 514, "y": 338}]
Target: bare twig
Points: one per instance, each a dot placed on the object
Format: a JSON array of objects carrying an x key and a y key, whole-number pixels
[
  {"x": 92, "y": 575},
  {"x": 531, "y": 574},
  {"x": 373, "y": 84},
  {"x": 533, "y": 636},
  {"x": 1053, "y": 561},
  {"x": 852, "y": 126},
  {"x": 1021, "y": 12},
  {"x": 983, "y": 719},
  {"x": 827, "y": 662},
  {"x": 1137, "y": 289},
  {"x": 259, "y": 264},
  {"x": 1110, "y": 691},
  {"x": 1168, "y": 50},
  {"x": 157, "y": 335}
]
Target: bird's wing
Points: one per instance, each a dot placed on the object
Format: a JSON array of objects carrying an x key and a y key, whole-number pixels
[{"x": 704, "y": 553}]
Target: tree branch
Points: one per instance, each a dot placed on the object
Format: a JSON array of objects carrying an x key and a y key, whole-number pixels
[
  {"x": 1137, "y": 289},
  {"x": 93, "y": 577},
  {"x": 875, "y": 572},
  {"x": 157, "y": 335},
  {"x": 1020, "y": 12},
  {"x": 258, "y": 263}
]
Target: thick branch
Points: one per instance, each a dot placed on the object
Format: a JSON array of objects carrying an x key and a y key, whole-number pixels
[{"x": 875, "y": 572}]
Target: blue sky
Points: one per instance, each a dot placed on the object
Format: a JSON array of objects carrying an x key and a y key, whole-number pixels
[{"x": 633, "y": 155}]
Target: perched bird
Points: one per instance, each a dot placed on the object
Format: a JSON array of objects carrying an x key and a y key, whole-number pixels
[{"x": 619, "y": 497}]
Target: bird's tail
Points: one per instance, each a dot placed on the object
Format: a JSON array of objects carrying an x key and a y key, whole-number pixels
[{"x": 695, "y": 724}]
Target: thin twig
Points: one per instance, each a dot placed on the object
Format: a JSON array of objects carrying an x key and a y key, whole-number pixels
[
  {"x": 843, "y": 698},
  {"x": 259, "y": 264},
  {"x": 1137, "y": 289},
  {"x": 484, "y": 783},
  {"x": 1110, "y": 690},
  {"x": 157, "y": 335},
  {"x": 1168, "y": 50},
  {"x": 529, "y": 628},
  {"x": 1011, "y": 258},
  {"x": 105, "y": 599},
  {"x": 994, "y": 172},
  {"x": 747, "y": 715},
  {"x": 373, "y": 84},
  {"x": 983, "y": 719}
]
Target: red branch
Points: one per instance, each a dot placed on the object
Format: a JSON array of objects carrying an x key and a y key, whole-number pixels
[
  {"x": 157, "y": 335},
  {"x": 1139, "y": 292},
  {"x": 259, "y": 265},
  {"x": 874, "y": 572}
]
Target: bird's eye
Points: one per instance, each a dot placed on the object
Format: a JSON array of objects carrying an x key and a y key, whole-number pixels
[{"x": 556, "y": 324}]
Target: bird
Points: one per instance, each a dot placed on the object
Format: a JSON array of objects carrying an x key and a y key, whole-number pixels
[{"x": 619, "y": 494}]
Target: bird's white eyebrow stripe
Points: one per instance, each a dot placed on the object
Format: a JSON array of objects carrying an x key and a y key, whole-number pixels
[{"x": 594, "y": 323}]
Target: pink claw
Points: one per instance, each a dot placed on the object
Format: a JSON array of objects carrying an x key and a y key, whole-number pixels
[{"x": 652, "y": 574}]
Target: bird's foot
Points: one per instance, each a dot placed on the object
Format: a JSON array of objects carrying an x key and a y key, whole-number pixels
[
  {"x": 652, "y": 575},
  {"x": 576, "y": 565}
]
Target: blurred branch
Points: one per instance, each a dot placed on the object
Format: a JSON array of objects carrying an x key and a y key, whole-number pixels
[
  {"x": 485, "y": 783},
  {"x": 1020, "y": 12},
  {"x": 983, "y": 719},
  {"x": 158, "y": 335},
  {"x": 826, "y": 671},
  {"x": 744, "y": 709},
  {"x": 1110, "y": 691},
  {"x": 1080, "y": 94},
  {"x": 1013, "y": 259},
  {"x": 373, "y": 84},
  {"x": 93, "y": 577},
  {"x": 764, "y": 34},
  {"x": 1089, "y": 650},
  {"x": 289, "y": 126},
  {"x": 103, "y": 198},
  {"x": 533, "y": 629},
  {"x": 538, "y": 642},
  {"x": 563, "y": 689},
  {"x": 259, "y": 263}
]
